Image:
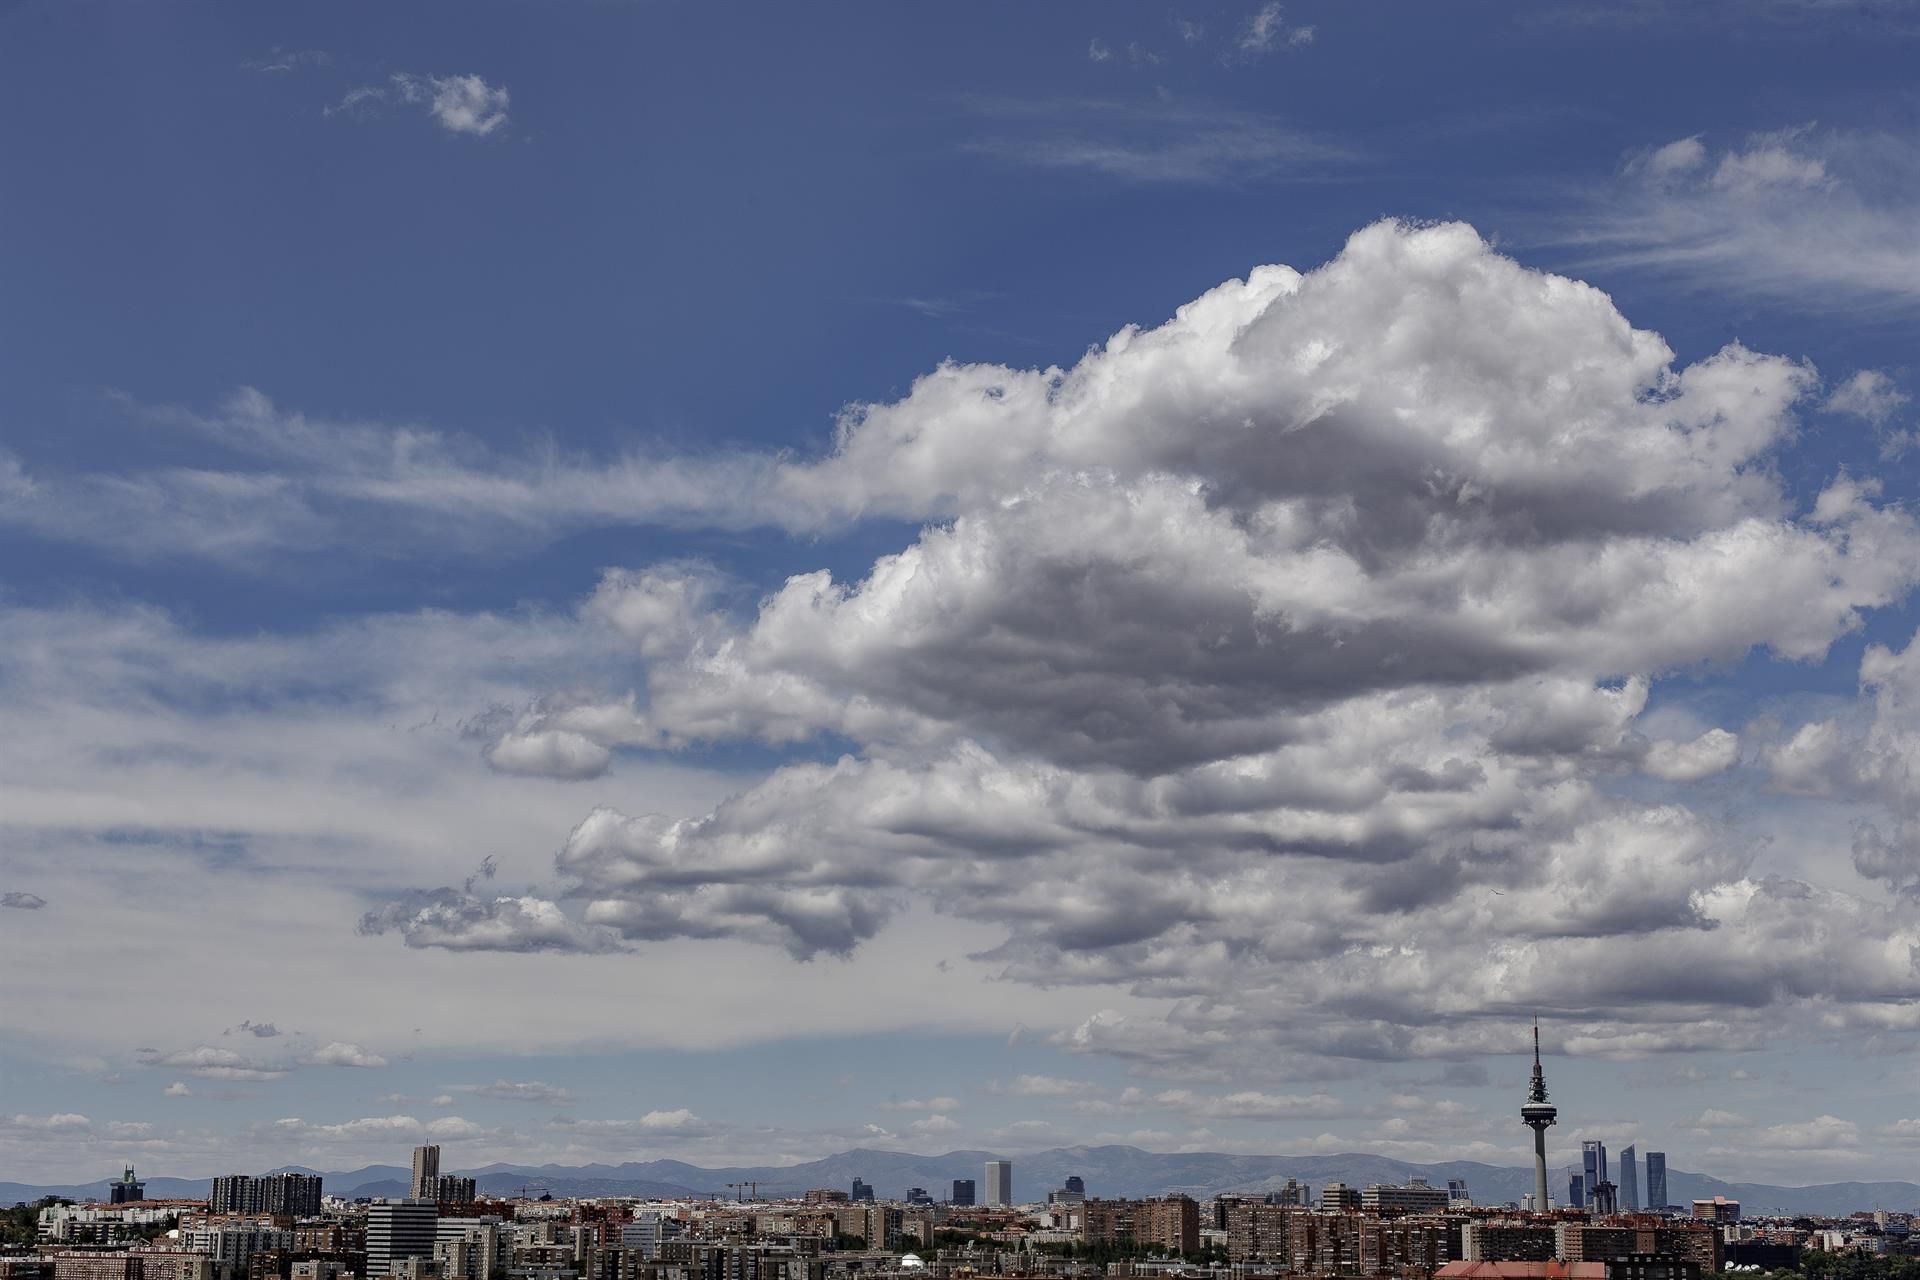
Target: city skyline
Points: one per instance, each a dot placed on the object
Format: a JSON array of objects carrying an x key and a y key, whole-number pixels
[{"x": 589, "y": 583}]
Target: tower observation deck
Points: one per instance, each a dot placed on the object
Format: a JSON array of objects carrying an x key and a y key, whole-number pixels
[{"x": 1538, "y": 1115}]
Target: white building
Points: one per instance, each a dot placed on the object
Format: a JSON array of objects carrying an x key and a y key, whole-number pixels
[
  {"x": 230, "y": 1242},
  {"x": 999, "y": 1182}
]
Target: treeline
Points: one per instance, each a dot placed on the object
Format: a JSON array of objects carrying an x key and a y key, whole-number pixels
[
  {"x": 21, "y": 1223},
  {"x": 1819, "y": 1265}
]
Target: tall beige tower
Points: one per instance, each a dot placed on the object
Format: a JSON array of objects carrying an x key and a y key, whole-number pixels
[{"x": 426, "y": 1172}]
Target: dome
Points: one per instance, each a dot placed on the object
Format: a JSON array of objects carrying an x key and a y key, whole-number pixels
[{"x": 910, "y": 1261}]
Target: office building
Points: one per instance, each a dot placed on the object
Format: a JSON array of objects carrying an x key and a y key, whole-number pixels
[
  {"x": 1538, "y": 1115},
  {"x": 426, "y": 1171},
  {"x": 400, "y": 1229},
  {"x": 127, "y": 1190},
  {"x": 1603, "y": 1198},
  {"x": 1629, "y": 1180},
  {"x": 1593, "y": 1162},
  {"x": 962, "y": 1193},
  {"x": 1000, "y": 1182},
  {"x": 1718, "y": 1209},
  {"x": 648, "y": 1231},
  {"x": 1415, "y": 1197},
  {"x": 861, "y": 1190},
  {"x": 1457, "y": 1194},
  {"x": 1075, "y": 1183},
  {"x": 1576, "y": 1191},
  {"x": 1338, "y": 1196},
  {"x": 1657, "y": 1181}
]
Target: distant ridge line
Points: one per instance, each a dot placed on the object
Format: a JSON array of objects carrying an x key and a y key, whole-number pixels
[{"x": 1110, "y": 1171}]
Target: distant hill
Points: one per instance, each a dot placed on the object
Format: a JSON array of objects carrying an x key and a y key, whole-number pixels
[{"x": 1113, "y": 1171}]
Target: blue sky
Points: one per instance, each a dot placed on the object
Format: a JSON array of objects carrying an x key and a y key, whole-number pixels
[{"x": 541, "y": 562}]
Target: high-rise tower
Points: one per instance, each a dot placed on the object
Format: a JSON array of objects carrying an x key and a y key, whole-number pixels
[
  {"x": 426, "y": 1172},
  {"x": 1538, "y": 1115}
]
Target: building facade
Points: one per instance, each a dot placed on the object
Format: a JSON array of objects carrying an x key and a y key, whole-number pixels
[
  {"x": 426, "y": 1171},
  {"x": 398, "y": 1230},
  {"x": 1657, "y": 1181},
  {"x": 295, "y": 1195},
  {"x": 1593, "y": 1166},
  {"x": 1000, "y": 1182},
  {"x": 1415, "y": 1197},
  {"x": 962, "y": 1193},
  {"x": 128, "y": 1190},
  {"x": 1629, "y": 1180}
]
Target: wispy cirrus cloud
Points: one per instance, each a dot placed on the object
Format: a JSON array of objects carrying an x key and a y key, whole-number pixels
[
  {"x": 1823, "y": 216},
  {"x": 520, "y": 1091},
  {"x": 215, "y": 1063},
  {"x": 1155, "y": 141},
  {"x": 282, "y": 61},
  {"x": 463, "y": 104},
  {"x": 1266, "y": 31}
]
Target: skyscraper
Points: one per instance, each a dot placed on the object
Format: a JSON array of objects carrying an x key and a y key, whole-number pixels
[
  {"x": 1000, "y": 1182},
  {"x": 962, "y": 1192},
  {"x": 862, "y": 1190},
  {"x": 1656, "y": 1180},
  {"x": 1075, "y": 1182},
  {"x": 1576, "y": 1191},
  {"x": 400, "y": 1229},
  {"x": 426, "y": 1172},
  {"x": 1537, "y": 1115},
  {"x": 1593, "y": 1160},
  {"x": 128, "y": 1190},
  {"x": 1629, "y": 1180}
]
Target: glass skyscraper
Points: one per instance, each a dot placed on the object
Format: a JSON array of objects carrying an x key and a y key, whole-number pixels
[
  {"x": 1656, "y": 1179},
  {"x": 1593, "y": 1157},
  {"x": 1629, "y": 1180}
]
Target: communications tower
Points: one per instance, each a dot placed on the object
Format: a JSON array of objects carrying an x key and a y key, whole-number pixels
[{"x": 1538, "y": 1115}]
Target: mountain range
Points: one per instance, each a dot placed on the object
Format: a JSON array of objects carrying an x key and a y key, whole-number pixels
[{"x": 1109, "y": 1171}]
